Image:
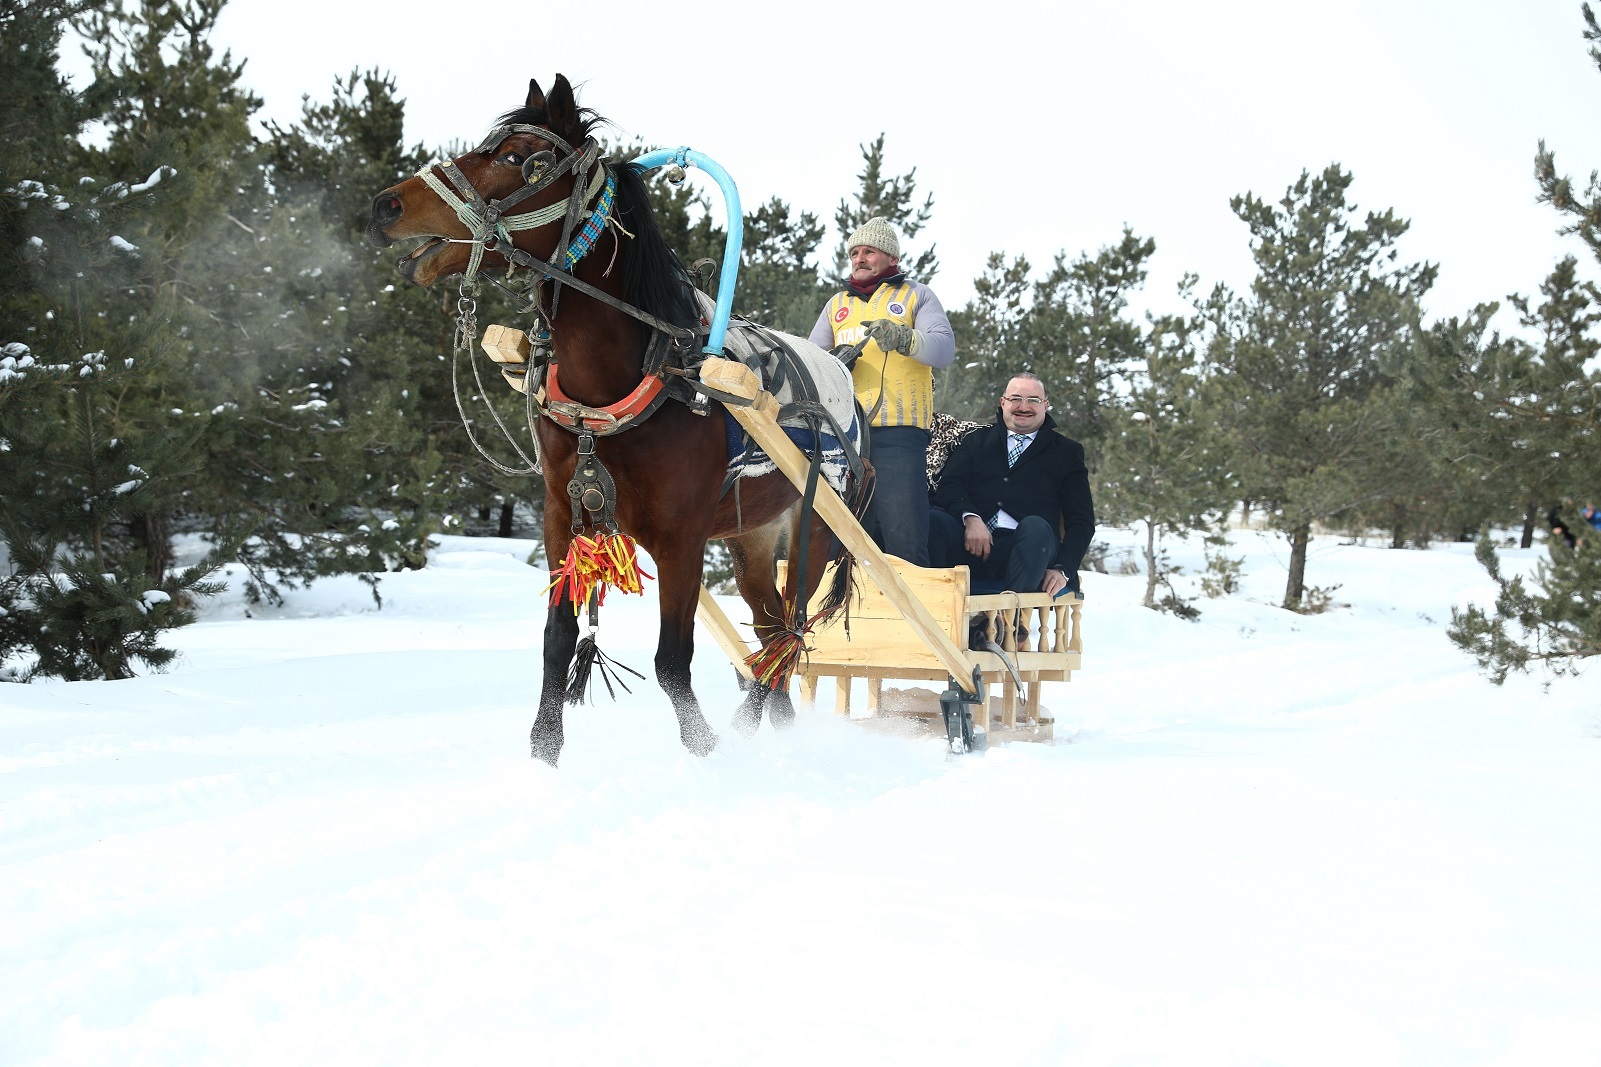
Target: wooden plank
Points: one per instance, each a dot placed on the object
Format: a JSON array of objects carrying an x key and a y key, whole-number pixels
[
  {"x": 842, "y": 696},
  {"x": 760, "y": 420},
  {"x": 505, "y": 344},
  {"x": 809, "y": 690},
  {"x": 722, "y": 628}
]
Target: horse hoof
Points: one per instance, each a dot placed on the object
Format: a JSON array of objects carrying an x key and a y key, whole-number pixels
[
  {"x": 701, "y": 742},
  {"x": 748, "y": 716},
  {"x": 781, "y": 718},
  {"x": 543, "y": 746}
]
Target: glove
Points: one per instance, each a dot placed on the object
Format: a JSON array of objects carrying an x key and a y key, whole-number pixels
[{"x": 894, "y": 337}]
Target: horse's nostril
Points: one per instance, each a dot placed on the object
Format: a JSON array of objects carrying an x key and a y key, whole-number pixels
[{"x": 386, "y": 208}]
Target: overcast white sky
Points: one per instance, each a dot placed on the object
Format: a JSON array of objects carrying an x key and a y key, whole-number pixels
[{"x": 1036, "y": 127}]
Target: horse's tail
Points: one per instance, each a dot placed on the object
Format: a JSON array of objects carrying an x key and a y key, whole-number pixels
[{"x": 842, "y": 589}]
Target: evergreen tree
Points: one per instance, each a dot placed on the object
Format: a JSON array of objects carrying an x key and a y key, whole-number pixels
[
  {"x": 778, "y": 279},
  {"x": 1079, "y": 337},
  {"x": 1070, "y": 327},
  {"x": 1164, "y": 462},
  {"x": 88, "y": 457},
  {"x": 1557, "y": 189},
  {"x": 1554, "y": 620},
  {"x": 989, "y": 332},
  {"x": 1304, "y": 366},
  {"x": 894, "y": 198},
  {"x": 1541, "y": 409}
]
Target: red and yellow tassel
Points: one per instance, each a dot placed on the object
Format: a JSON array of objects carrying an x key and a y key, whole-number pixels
[
  {"x": 774, "y": 663},
  {"x": 607, "y": 559}
]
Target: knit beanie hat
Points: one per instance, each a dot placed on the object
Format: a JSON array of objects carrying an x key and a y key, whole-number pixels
[{"x": 877, "y": 233}]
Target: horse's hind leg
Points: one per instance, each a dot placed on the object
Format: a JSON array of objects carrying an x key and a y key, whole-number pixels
[
  {"x": 752, "y": 554},
  {"x": 780, "y": 709}
]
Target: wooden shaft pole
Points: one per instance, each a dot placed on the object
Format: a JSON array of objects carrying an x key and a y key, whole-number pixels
[
  {"x": 760, "y": 419},
  {"x": 722, "y": 628}
]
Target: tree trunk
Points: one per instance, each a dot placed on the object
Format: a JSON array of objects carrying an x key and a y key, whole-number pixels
[
  {"x": 1530, "y": 517},
  {"x": 1150, "y": 564},
  {"x": 483, "y": 512},
  {"x": 1398, "y": 527},
  {"x": 1297, "y": 583},
  {"x": 150, "y": 530},
  {"x": 505, "y": 518}
]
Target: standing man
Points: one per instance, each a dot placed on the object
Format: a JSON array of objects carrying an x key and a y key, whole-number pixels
[
  {"x": 1015, "y": 498},
  {"x": 907, "y": 337}
]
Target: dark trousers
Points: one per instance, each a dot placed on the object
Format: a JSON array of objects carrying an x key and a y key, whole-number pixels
[
  {"x": 1018, "y": 558},
  {"x": 897, "y": 518}
]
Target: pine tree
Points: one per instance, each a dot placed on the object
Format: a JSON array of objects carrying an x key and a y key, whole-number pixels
[
  {"x": 1304, "y": 360},
  {"x": 989, "y": 331},
  {"x": 1079, "y": 337},
  {"x": 894, "y": 198},
  {"x": 1557, "y": 189},
  {"x": 778, "y": 278},
  {"x": 1164, "y": 462},
  {"x": 88, "y": 457},
  {"x": 1540, "y": 409},
  {"x": 1554, "y": 620}
]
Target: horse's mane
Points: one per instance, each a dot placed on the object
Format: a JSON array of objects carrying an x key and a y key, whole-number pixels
[{"x": 657, "y": 282}]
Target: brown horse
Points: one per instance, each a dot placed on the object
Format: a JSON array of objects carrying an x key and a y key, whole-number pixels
[{"x": 669, "y": 466}]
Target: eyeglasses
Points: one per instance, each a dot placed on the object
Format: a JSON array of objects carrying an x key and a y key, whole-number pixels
[{"x": 1024, "y": 401}]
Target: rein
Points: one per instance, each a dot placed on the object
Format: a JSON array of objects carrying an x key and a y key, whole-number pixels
[{"x": 492, "y": 224}]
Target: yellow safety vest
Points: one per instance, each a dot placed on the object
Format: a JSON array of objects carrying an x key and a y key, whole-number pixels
[{"x": 906, "y": 385}]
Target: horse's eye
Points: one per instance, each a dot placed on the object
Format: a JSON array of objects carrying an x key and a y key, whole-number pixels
[{"x": 513, "y": 158}]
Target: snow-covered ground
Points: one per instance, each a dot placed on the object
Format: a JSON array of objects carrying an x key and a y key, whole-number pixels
[{"x": 1261, "y": 838}]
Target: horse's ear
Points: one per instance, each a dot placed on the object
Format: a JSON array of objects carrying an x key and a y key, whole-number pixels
[
  {"x": 536, "y": 96},
  {"x": 561, "y": 110}
]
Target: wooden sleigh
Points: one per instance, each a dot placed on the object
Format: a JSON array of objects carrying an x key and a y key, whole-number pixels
[
  {"x": 912, "y": 623},
  {"x": 880, "y": 646}
]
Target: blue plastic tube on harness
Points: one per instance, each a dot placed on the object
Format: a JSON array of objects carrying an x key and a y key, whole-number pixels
[{"x": 685, "y": 157}]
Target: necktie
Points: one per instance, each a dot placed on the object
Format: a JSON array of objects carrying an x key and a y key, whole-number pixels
[{"x": 1018, "y": 442}]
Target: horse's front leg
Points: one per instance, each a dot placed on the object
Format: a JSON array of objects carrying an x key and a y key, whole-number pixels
[
  {"x": 680, "y": 577},
  {"x": 561, "y": 638}
]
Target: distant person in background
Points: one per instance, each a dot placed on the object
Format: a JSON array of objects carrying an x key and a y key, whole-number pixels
[
  {"x": 905, "y": 337},
  {"x": 1591, "y": 516},
  {"x": 1560, "y": 527}
]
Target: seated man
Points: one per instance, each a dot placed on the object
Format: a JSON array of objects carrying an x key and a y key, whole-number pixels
[{"x": 1007, "y": 490}]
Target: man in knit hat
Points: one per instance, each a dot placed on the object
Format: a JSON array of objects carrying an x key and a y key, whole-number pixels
[{"x": 905, "y": 337}]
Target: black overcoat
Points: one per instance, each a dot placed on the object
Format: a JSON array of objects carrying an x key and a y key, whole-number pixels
[{"x": 1050, "y": 480}]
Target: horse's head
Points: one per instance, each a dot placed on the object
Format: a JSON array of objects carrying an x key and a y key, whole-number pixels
[{"x": 532, "y": 148}]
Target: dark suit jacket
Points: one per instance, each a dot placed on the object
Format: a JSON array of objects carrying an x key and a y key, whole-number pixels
[{"x": 1050, "y": 480}]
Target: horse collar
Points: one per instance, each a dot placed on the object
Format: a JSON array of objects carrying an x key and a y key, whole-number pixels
[{"x": 611, "y": 419}]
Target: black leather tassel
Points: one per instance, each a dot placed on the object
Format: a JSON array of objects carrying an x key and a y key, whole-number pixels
[{"x": 586, "y": 658}]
